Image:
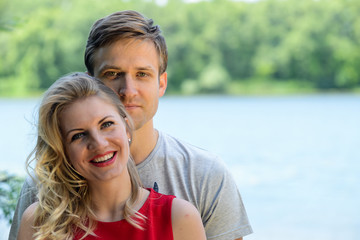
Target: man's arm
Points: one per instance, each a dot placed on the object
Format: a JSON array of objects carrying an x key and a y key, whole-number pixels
[
  {"x": 224, "y": 214},
  {"x": 27, "y": 197}
]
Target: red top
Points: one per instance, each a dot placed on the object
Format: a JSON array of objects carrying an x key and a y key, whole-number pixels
[{"x": 157, "y": 209}]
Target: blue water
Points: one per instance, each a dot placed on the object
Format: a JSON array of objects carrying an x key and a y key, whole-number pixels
[{"x": 295, "y": 158}]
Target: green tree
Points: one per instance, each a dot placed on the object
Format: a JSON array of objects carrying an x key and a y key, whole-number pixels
[{"x": 310, "y": 41}]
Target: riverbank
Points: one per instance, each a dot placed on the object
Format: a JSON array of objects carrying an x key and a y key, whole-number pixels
[{"x": 249, "y": 87}]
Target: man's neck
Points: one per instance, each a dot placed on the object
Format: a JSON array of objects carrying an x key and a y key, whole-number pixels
[{"x": 143, "y": 142}]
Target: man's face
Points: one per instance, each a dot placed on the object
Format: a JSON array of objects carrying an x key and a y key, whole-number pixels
[{"x": 131, "y": 69}]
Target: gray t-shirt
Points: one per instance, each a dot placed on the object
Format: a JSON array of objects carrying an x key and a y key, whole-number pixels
[{"x": 189, "y": 173}]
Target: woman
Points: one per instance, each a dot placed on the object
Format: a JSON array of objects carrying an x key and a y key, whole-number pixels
[{"x": 88, "y": 184}]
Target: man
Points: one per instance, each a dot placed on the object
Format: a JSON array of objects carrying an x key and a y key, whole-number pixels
[{"x": 128, "y": 53}]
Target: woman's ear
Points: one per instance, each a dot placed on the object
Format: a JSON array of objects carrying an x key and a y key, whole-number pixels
[{"x": 128, "y": 125}]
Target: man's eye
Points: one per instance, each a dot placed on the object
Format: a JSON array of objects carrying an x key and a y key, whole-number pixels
[
  {"x": 110, "y": 75},
  {"x": 107, "y": 124},
  {"x": 141, "y": 74},
  {"x": 77, "y": 136}
]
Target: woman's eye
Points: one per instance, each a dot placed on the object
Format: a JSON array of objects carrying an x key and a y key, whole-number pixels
[
  {"x": 106, "y": 124},
  {"x": 77, "y": 136}
]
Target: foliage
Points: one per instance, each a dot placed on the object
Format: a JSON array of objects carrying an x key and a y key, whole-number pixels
[
  {"x": 10, "y": 186},
  {"x": 212, "y": 44}
]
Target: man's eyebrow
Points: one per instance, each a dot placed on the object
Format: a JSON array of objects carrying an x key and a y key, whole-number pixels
[
  {"x": 139, "y": 68},
  {"x": 147, "y": 68},
  {"x": 105, "y": 67}
]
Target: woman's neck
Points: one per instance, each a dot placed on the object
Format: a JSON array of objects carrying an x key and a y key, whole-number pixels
[{"x": 109, "y": 198}]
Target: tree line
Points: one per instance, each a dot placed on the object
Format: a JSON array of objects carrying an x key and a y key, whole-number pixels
[{"x": 214, "y": 46}]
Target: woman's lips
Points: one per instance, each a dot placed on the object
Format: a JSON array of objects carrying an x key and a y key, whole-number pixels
[{"x": 104, "y": 160}]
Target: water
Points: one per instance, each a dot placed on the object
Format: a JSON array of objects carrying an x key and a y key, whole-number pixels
[{"x": 294, "y": 158}]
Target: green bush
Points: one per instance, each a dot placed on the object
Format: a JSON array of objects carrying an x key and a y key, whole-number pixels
[{"x": 10, "y": 186}]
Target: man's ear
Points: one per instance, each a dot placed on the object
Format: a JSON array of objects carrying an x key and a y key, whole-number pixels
[
  {"x": 129, "y": 125},
  {"x": 162, "y": 84}
]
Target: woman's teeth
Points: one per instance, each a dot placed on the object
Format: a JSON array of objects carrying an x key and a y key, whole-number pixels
[{"x": 104, "y": 158}]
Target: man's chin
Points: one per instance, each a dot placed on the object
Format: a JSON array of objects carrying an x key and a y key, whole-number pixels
[{"x": 138, "y": 125}]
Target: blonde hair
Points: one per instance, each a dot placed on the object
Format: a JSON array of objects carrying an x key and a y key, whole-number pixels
[{"x": 64, "y": 200}]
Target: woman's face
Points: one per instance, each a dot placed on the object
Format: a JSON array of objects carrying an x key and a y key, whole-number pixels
[{"x": 95, "y": 139}]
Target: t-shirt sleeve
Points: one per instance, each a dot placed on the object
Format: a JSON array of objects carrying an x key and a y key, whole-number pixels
[
  {"x": 27, "y": 197},
  {"x": 224, "y": 215}
]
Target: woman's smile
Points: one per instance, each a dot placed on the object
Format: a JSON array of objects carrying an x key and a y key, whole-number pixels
[{"x": 105, "y": 160}]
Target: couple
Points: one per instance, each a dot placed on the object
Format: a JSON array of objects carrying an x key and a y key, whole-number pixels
[{"x": 128, "y": 54}]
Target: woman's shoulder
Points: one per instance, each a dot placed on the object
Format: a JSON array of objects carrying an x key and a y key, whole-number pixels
[
  {"x": 186, "y": 221},
  {"x": 181, "y": 208},
  {"x": 27, "y": 222},
  {"x": 29, "y": 212}
]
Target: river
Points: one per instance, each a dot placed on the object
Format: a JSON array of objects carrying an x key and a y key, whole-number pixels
[{"x": 295, "y": 158}]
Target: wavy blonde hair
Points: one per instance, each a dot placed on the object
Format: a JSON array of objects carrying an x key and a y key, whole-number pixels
[{"x": 64, "y": 201}]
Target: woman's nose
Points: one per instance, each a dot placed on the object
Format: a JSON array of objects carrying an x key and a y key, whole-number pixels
[{"x": 97, "y": 140}]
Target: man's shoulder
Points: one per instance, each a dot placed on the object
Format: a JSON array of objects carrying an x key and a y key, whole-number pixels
[
  {"x": 184, "y": 146},
  {"x": 175, "y": 146},
  {"x": 30, "y": 181},
  {"x": 191, "y": 155}
]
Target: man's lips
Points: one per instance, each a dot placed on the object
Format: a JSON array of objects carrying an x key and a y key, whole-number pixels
[{"x": 131, "y": 106}]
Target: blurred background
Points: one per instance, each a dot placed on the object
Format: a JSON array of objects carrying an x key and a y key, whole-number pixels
[{"x": 272, "y": 86}]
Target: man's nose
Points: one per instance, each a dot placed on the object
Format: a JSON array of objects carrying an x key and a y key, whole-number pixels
[{"x": 128, "y": 88}]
